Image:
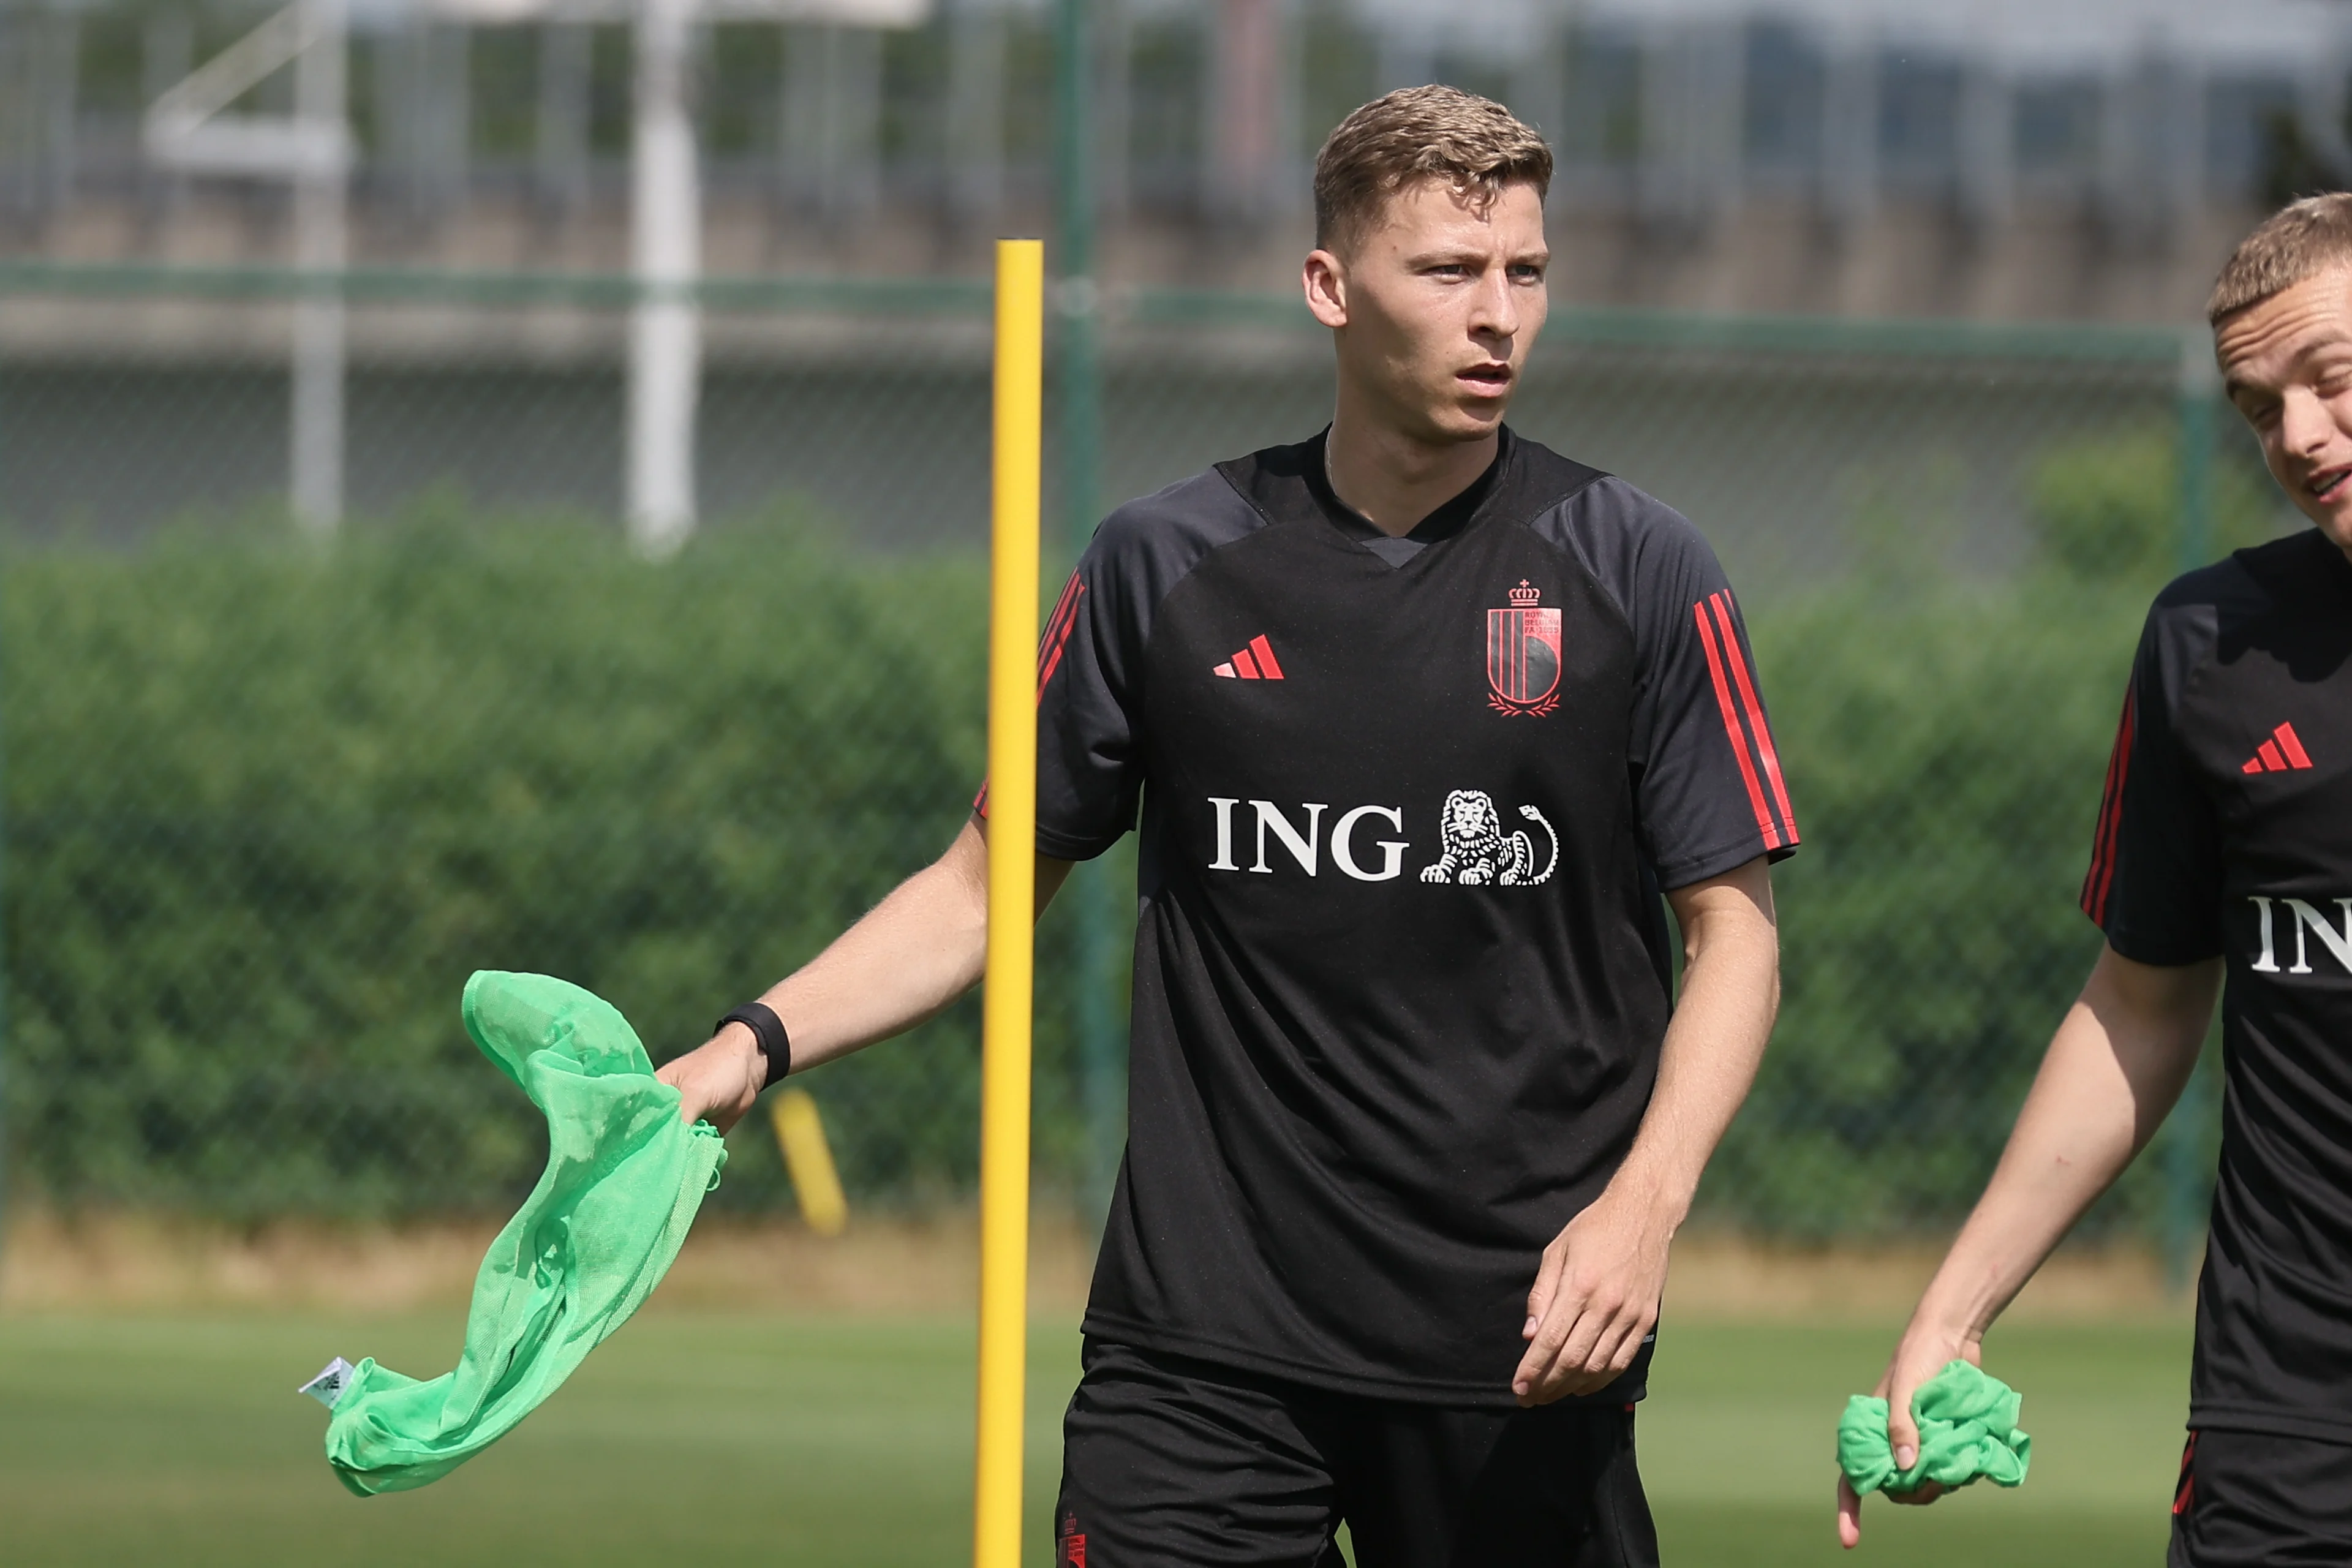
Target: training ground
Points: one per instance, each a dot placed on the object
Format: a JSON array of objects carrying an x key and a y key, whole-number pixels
[{"x": 134, "y": 1434}]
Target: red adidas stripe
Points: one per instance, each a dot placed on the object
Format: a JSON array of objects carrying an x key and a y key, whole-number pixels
[
  {"x": 2102, "y": 874},
  {"x": 1059, "y": 628},
  {"x": 1263, "y": 651},
  {"x": 1764, "y": 823},
  {"x": 1721, "y": 602},
  {"x": 2291, "y": 744}
]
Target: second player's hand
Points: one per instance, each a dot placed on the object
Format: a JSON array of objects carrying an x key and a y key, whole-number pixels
[
  {"x": 1926, "y": 1351},
  {"x": 1595, "y": 1299},
  {"x": 718, "y": 1080}
]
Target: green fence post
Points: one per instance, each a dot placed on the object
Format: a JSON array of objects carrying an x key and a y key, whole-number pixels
[
  {"x": 1102, "y": 1046},
  {"x": 2185, "y": 1143}
]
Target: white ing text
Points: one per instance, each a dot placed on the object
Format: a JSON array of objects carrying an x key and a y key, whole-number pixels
[
  {"x": 2306, "y": 921},
  {"x": 1303, "y": 846}
]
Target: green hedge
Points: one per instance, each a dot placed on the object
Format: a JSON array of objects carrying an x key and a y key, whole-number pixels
[{"x": 267, "y": 808}]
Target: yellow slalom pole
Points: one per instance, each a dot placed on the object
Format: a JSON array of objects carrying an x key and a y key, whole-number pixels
[
  {"x": 1011, "y": 901},
  {"x": 816, "y": 1181}
]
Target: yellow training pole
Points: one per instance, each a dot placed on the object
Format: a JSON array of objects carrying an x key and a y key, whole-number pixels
[{"x": 1011, "y": 901}]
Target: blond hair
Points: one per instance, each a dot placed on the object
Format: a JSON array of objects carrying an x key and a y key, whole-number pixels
[
  {"x": 2299, "y": 241},
  {"x": 1474, "y": 144}
]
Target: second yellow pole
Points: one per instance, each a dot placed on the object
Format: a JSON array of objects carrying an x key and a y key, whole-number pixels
[{"x": 1012, "y": 900}]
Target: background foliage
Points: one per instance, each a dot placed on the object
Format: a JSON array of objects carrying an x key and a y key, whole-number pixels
[{"x": 267, "y": 808}]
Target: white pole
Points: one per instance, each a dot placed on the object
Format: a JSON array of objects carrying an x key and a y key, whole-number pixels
[
  {"x": 665, "y": 337},
  {"x": 316, "y": 435}
]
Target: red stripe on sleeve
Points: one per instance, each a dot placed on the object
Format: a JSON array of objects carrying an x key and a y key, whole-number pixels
[
  {"x": 1721, "y": 602},
  {"x": 2102, "y": 874},
  {"x": 2272, "y": 761},
  {"x": 1058, "y": 634},
  {"x": 1764, "y": 823},
  {"x": 1263, "y": 651},
  {"x": 2291, "y": 744},
  {"x": 1058, "y": 628}
]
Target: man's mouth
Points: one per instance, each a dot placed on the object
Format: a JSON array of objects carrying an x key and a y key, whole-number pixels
[
  {"x": 2329, "y": 483},
  {"x": 1496, "y": 376}
]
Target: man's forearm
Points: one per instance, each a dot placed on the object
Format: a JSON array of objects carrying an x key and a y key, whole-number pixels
[
  {"x": 908, "y": 958},
  {"x": 2114, "y": 1069},
  {"x": 1596, "y": 1291},
  {"x": 912, "y": 954},
  {"x": 1715, "y": 1043}
]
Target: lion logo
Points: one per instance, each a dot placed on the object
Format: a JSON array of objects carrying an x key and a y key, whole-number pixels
[{"x": 1476, "y": 850}]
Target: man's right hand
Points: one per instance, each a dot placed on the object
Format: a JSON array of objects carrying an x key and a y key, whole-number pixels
[
  {"x": 718, "y": 1080},
  {"x": 1925, "y": 1350}
]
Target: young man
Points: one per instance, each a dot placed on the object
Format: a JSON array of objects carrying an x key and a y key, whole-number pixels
[
  {"x": 1419, "y": 718},
  {"x": 2224, "y": 845}
]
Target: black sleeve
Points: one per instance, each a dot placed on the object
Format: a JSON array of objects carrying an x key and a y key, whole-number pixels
[
  {"x": 1707, "y": 773},
  {"x": 2155, "y": 881},
  {"x": 1090, "y": 660},
  {"x": 1089, "y": 776}
]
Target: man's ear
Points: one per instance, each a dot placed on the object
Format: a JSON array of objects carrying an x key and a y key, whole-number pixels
[{"x": 1325, "y": 278}]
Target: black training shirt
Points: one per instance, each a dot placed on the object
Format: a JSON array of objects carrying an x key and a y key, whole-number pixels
[
  {"x": 1406, "y": 805},
  {"x": 2227, "y": 829}
]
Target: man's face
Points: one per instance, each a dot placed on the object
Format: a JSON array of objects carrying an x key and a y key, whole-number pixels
[
  {"x": 1435, "y": 306},
  {"x": 2287, "y": 365}
]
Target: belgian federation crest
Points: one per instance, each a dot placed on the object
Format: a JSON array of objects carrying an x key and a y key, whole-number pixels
[{"x": 1523, "y": 654}]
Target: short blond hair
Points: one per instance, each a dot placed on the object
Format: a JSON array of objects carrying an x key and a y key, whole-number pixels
[
  {"x": 1474, "y": 144},
  {"x": 2301, "y": 240}
]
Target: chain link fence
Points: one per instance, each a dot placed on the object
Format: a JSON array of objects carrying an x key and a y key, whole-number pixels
[{"x": 269, "y": 800}]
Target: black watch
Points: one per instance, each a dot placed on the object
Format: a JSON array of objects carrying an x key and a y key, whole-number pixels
[{"x": 775, "y": 1045}]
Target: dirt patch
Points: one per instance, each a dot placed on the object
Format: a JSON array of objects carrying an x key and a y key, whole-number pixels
[
  {"x": 1719, "y": 1277},
  {"x": 138, "y": 1263}
]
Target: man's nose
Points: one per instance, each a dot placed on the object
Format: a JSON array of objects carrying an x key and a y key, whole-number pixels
[
  {"x": 2307, "y": 425},
  {"x": 1495, "y": 307}
]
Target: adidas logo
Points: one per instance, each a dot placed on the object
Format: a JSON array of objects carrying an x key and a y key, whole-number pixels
[
  {"x": 1256, "y": 662},
  {"x": 2281, "y": 753}
]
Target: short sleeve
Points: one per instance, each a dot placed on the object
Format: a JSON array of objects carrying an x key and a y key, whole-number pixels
[
  {"x": 2153, "y": 885},
  {"x": 1089, "y": 776},
  {"x": 1707, "y": 781}
]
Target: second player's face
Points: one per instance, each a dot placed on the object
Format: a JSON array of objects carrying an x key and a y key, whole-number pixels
[
  {"x": 1441, "y": 302},
  {"x": 2287, "y": 364}
]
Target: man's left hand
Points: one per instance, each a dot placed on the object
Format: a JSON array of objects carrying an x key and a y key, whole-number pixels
[{"x": 1595, "y": 1299}]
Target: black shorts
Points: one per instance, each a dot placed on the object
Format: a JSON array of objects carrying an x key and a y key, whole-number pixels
[
  {"x": 1169, "y": 1461},
  {"x": 2256, "y": 1498}
]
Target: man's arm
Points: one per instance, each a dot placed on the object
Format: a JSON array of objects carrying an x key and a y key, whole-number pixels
[
  {"x": 2113, "y": 1071},
  {"x": 1596, "y": 1296},
  {"x": 912, "y": 954}
]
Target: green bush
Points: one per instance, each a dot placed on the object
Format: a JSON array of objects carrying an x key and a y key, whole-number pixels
[
  {"x": 1946, "y": 741},
  {"x": 267, "y": 808}
]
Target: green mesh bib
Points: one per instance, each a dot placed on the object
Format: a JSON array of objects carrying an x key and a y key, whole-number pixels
[{"x": 624, "y": 1179}]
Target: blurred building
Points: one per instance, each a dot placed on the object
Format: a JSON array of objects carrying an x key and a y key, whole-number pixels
[{"x": 1996, "y": 159}]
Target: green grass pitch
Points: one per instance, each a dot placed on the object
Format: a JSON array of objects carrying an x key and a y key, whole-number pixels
[{"x": 844, "y": 1442}]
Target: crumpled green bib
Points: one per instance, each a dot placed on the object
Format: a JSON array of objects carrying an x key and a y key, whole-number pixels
[
  {"x": 623, "y": 1182},
  {"x": 1967, "y": 1432}
]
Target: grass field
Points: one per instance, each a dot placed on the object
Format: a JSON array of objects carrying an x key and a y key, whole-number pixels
[{"x": 131, "y": 1440}]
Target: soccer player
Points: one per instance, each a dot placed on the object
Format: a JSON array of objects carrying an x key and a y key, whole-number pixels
[
  {"x": 1419, "y": 718},
  {"x": 2225, "y": 847}
]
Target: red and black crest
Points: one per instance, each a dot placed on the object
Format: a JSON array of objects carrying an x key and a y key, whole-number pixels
[{"x": 1523, "y": 654}]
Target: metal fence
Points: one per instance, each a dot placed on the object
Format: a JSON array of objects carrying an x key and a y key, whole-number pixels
[{"x": 267, "y": 802}]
